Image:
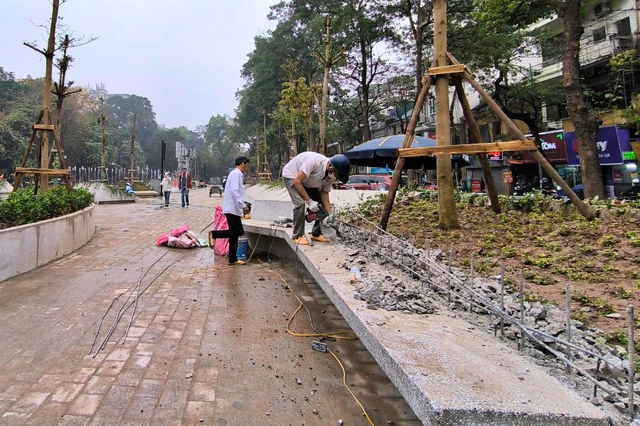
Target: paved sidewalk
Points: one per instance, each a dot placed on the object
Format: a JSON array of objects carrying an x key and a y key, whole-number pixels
[{"x": 206, "y": 344}]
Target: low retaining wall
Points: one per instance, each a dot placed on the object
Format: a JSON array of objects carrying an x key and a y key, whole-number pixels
[{"x": 27, "y": 247}]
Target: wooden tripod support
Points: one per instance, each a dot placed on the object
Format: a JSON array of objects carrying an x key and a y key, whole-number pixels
[{"x": 43, "y": 174}]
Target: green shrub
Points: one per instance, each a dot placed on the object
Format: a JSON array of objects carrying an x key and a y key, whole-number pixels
[
  {"x": 585, "y": 249},
  {"x": 24, "y": 206},
  {"x": 608, "y": 241},
  {"x": 634, "y": 238},
  {"x": 508, "y": 251}
]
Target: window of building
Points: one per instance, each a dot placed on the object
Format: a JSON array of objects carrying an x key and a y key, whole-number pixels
[
  {"x": 556, "y": 112},
  {"x": 601, "y": 9},
  {"x": 599, "y": 34},
  {"x": 623, "y": 27}
]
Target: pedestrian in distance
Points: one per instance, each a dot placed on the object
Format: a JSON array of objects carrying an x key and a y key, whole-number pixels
[
  {"x": 166, "y": 185},
  {"x": 232, "y": 206},
  {"x": 185, "y": 185},
  {"x": 308, "y": 177}
]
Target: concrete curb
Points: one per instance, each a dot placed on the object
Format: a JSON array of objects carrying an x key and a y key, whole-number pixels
[
  {"x": 49, "y": 240},
  {"x": 449, "y": 373}
]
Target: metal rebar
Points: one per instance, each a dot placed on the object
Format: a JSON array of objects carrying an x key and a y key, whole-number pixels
[
  {"x": 474, "y": 298},
  {"x": 522, "y": 307},
  {"x": 471, "y": 276},
  {"x": 632, "y": 369},
  {"x": 568, "y": 323},
  {"x": 502, "y": 299},
  {"x": 597, "y": 377}
]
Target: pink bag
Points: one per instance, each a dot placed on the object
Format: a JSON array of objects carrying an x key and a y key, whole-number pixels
[
  {"x": 179, "y": 231},
  {"x": 221, "y": 247}
]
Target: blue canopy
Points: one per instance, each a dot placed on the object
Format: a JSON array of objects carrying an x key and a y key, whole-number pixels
[{"x": 383, "y": 151}]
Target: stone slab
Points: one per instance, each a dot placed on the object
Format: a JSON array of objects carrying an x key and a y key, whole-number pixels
[{"x": 268, "y": 203}]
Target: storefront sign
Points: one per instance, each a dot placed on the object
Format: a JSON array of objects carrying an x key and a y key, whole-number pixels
[
  {"x": 494, "y": 156},
  {"x": 507, "y": 176},
  {"x": 552, "y": 146},
  {"x": 609, "y": 141}
]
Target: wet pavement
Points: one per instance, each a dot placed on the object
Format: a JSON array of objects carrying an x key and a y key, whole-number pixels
[{"x": 202, "y": 343}]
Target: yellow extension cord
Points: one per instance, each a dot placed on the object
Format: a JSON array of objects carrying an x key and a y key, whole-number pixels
[{"x": 340, "y": 334}]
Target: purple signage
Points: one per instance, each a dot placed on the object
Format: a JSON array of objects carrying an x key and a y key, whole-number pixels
[
  {"x": 609, "y": 139},
  {"x": 552, "y": 146}
]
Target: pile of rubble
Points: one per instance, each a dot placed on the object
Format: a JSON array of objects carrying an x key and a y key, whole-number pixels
[{"x": 383, "y": 288}]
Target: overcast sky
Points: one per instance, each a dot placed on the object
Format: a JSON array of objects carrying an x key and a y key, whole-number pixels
[{"x": 184, "y": 56}]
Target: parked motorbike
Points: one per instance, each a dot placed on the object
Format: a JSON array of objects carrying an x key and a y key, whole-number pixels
[{"x": 522, "y": 188}]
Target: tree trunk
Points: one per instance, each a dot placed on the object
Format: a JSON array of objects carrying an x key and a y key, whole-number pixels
[
  {"x": 322, "y": 145},
  {"x": 418, "y": 37},
  {"x": 585, "y": 124},
  {"x": 46, "y": 103},
  {"x": 294, "y": 136},
  {"x": 446, "y": 201},
  {"x": 364, "y": 84}
]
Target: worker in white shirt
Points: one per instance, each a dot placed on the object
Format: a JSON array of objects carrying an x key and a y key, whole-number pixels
[{"x": 308, "y": 178}]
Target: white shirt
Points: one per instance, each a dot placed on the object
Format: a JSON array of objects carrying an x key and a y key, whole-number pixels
[
  {"x": 234, "y": 194},
  {"x": 166, "y": 184},
  {"x": 313, "y": 165}
]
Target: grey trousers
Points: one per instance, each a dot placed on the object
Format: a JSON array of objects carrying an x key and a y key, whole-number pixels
[{"x": 300, "y": 209}]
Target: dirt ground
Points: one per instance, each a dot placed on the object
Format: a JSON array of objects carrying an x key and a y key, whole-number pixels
[{"x": 599, "y": 260}]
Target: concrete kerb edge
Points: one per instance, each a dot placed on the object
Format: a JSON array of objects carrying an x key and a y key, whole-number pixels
[{"x": 28, "y": 247}]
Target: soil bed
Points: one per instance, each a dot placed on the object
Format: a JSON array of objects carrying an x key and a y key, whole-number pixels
[{"x": 599, "y": 260}]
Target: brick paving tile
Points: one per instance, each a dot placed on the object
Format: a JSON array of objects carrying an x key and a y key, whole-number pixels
[
  {"x": 99, "y": 385},
  {"x": 15, "y": 392},
  {"x": 85, "y": 405},
  {"x": 119, "y": 396},
  {"x": 48, "y": 383},
  {"x": 82, "y": 375},
  {"x": 149, "y": 389},
  {"x": 129, "y": 377},
  {"x": 110, "y": 368},
  {"x": 66, "y": 392},
  {"x": 49, "y": 413},
  {"x": 140, "y": 409},
  {"x": 70, "y": 420},
  {"x": 108, "y": 415}
]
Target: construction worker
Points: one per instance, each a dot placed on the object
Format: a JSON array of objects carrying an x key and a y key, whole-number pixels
[{"x": 308, "y": 178}]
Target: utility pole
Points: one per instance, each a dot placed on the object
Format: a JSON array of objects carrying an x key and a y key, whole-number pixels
[{"x": 133, "y": 150}]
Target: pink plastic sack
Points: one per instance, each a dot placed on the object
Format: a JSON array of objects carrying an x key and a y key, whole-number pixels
[
  {"x": 179, "y": 231},
  {"x": 221, "y": 247},
  {"x": 162, "y": 241}
]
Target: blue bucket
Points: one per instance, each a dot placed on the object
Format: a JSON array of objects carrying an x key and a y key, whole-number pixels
[{"x": 243, "y": 248}]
